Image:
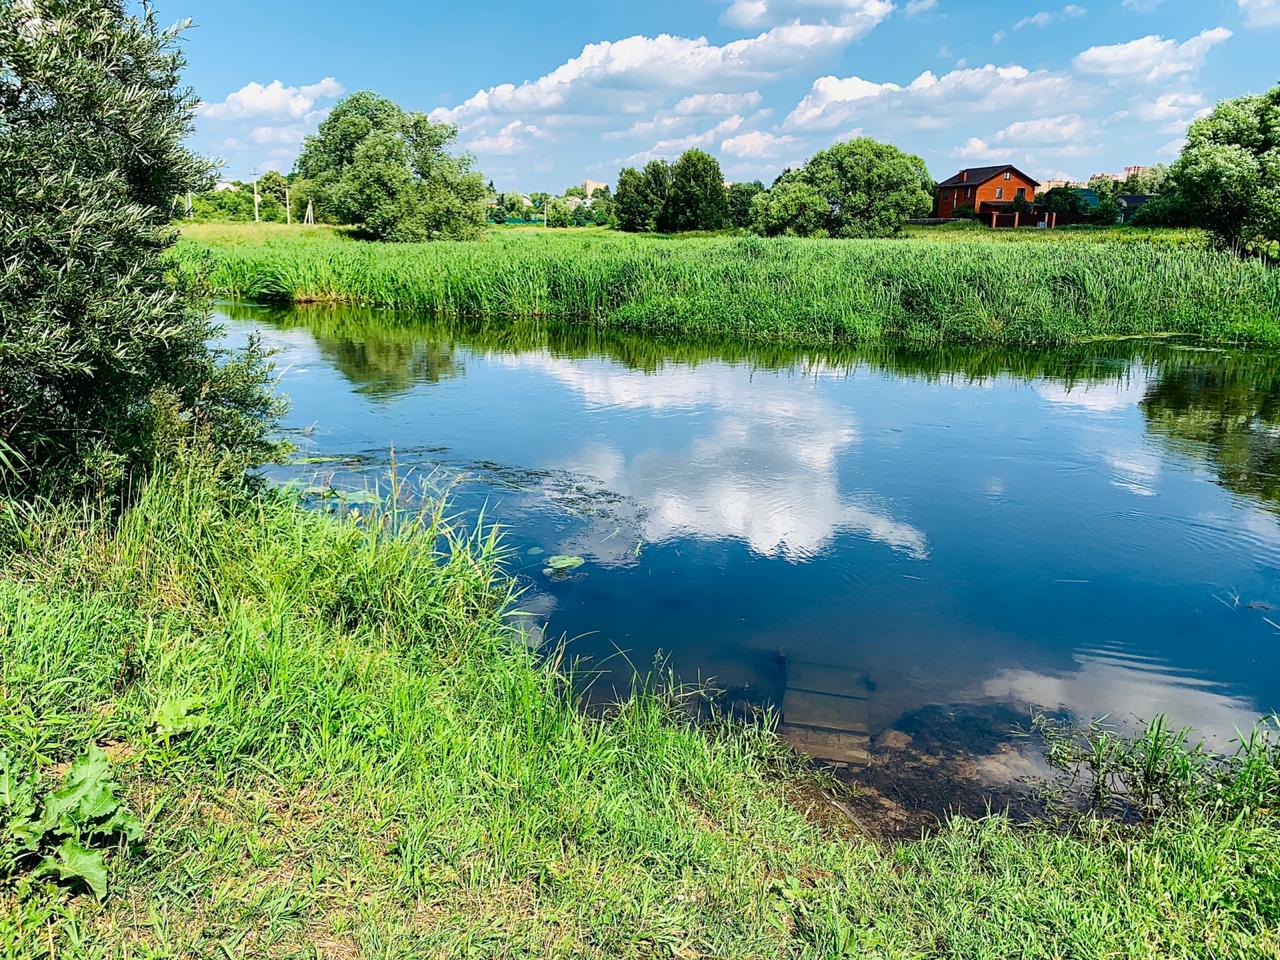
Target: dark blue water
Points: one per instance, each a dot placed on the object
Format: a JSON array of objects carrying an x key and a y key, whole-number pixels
[{"x": 905, "y": 534}]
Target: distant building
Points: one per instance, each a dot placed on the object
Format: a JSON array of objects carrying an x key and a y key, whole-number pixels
[
  {"x": 979, "y": 187},
  {"x": 591, "y": 186},
  {"x": 222, "y": 186},
  {"x": 1047, "y": 185}
]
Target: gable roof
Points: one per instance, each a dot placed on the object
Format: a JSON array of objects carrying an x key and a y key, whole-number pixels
[{"x": 980, "y": 175}]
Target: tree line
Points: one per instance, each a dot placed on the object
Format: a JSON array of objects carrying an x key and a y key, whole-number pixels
[{"x": 859, "y": 188}]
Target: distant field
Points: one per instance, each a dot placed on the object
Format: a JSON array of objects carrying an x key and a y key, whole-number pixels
[{"x": 937, "y": 285}]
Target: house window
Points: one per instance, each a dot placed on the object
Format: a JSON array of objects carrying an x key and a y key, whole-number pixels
[
  {"x": 999, "y": 193},
  {"x": 1008, "y": 175},
  {"x": 968, "y": 192},
  {"x": 1022, "y": 193}
]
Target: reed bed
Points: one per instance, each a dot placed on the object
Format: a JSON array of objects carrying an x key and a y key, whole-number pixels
[{"x": 803, "y": 292}]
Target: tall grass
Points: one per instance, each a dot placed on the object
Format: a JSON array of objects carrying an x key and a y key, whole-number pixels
[
  {"x": 377, "y": 770},
  {"x": 808, "y": 292}
]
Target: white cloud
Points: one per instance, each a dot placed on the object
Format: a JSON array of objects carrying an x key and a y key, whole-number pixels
[
  {"x": 1173, "y": 111},
  {"x": 863, "y": 14},
  {"x": 758, "y": 144},
  {"x": 702, "y": 104},
  {"x": 673, "y": 146},
  {"x": 833, "y": 102},
  {"x": 513, "y": 137},
  {"x": 1062, "y": 129},
  {"x": 635, "y": 73},
  {"x": 1142, "y": 6},
  {"x": 1151, "y": 57},
  {"x": 1260, "y": 13},
  {"x": 917, "y": 7},
  {"x": 1046, "y": 17},
  {"x": 290, "y": 134},
  {"x": 272, "y": 100},
  {"x": 975, "y": 148}
]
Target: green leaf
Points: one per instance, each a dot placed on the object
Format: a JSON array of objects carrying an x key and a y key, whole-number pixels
[
  {"x": 73, "y": 861},
  {"x": 562, "y": 563},
  {"x": 179, "y": 715}
]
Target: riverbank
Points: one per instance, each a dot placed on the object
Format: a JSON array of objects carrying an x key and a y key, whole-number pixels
[
  {"x": 334, "y": 748},
  {"x": 958, "y": 286}
]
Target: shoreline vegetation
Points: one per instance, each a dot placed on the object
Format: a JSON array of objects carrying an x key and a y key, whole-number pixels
[
  {"x": 335, "y": 746},
  {"x": 954, "y": 286}
]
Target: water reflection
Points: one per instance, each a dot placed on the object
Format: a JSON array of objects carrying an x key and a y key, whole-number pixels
[{"x": 960, "y": 532}]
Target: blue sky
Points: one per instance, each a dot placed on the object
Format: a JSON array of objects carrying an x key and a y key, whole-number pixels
[{"x": 547, "y": 94}]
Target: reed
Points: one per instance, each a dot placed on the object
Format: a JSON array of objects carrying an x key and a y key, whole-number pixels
[{"x": 802, "y": 292}]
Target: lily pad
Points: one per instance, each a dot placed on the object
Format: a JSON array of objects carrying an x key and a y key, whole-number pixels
[
  {"x": 535, "y": 551},
  {"x": 563, "y": 563}
]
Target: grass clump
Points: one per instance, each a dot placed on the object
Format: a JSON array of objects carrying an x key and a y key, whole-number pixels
[
  {"x": 963, "y": 287},
  {"x": 336, "y": 749}
]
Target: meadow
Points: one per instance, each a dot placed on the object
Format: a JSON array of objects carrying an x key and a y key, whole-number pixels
[
  {"x": 965, "y": 284},
  {"x": 334, "y": 747}
]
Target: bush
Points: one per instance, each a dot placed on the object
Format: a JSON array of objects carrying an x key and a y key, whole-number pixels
[{"x": 103, "y": 362}]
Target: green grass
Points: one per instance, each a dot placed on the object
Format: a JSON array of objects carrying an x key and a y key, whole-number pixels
[
  {"x": 953, "y": 286},
  {"x": 380, "y": 771}
]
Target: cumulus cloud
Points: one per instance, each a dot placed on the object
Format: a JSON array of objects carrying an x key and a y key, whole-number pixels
[
  {"x": 701, "y": 104},
  {"x": 515, "y": 136},
  {"x": 647, "y": 67},
  {"x": 757, "y": 143},
  {"x": 272, "y": 100},
  {"x": 1061, "y": 129},
  {"x": 834, "y": 101},
  {"x": 1260, "y": 13},
  {"x": 917, "y": 7},
  {"x": 673, "y": 146},
  {"x": 865, "y": 15},
  {"x": 1151, "y": 57},
  {"x": 975, "y": 148}
]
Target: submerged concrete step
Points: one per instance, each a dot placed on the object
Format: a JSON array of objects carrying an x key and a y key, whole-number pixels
[{"x": 833, "y": 746}]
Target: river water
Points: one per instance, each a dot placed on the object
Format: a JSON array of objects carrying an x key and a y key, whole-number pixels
[{"x": 890, "y": 546}]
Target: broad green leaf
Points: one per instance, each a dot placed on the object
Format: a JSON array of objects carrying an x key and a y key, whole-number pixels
[
  {"x": 563, "y": 562},
  {"x": 73, "y": 861}
]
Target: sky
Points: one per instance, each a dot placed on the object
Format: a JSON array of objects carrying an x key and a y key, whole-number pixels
[{"x": 548, "y": 94}]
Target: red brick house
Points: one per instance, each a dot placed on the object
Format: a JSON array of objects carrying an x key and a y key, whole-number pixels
[{"x": 993, "y": 186}]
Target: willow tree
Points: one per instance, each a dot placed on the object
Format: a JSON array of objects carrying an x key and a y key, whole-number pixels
[
  {"x": 391, "y": 173},
  {"x": 104, "y": 362}
]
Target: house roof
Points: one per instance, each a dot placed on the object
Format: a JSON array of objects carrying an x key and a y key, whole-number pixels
[{"x": 980, "y": 175}]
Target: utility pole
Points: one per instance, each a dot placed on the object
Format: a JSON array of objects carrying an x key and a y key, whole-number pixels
[
  {"x": 288, "y": 217},
  {"x": 190, "y": 208},
  {"x": 310, "y": 217},
  {"x": 255, "y": 198}
]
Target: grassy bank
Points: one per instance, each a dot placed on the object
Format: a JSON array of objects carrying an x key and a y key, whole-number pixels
[
  {"x": 958, "y": 286},
  {"x": 336, "y": 751}
]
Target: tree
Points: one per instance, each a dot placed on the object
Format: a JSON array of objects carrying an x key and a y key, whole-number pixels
[
  {"x": 697, "y": 199},
  {"x": 791, "y": 208},
  {"x": 870, "y": 189},
  {"x": 558, "y": 214},
  {"x": 390, "y": 172},
  {"x": 105, "y": 365},
  {"x": 741, "y": 196},
  {"x": 1168, "y": 210},
  {"x": 641, "y": 196},
  {"x": 1107, "y": 213},
  {"x": 1064, "y": 201},
  {"x": 602, "y": 207},
  {"x": 1229, "y": 173}
]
